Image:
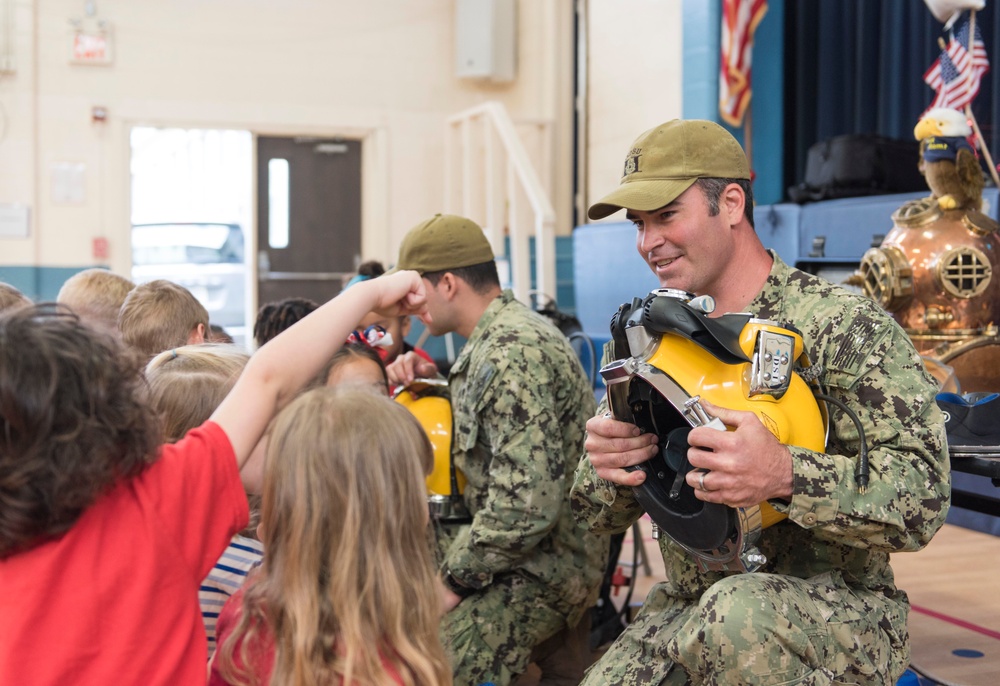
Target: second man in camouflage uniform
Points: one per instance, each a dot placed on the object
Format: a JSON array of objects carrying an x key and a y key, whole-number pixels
[{"x": 524, "y": 570}]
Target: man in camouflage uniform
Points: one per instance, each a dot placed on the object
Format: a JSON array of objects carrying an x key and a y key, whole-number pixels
[
  {"x": 824, "y": 608},
  {"x": 524, "y": 570}
]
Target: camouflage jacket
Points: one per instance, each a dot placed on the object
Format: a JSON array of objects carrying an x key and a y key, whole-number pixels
[
  {"x": 520, "y": 403},
  {"x": 867, "y": 362}
]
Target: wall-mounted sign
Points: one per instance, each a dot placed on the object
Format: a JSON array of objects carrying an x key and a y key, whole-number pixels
[
  {"x": 14, "y": 220},
  {"x": 69, "y": 183},
  {"x": 92, "y": 47}
]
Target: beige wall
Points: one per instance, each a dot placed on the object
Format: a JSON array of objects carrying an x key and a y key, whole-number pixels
[
  {"x": 381, "y": 71},
  {"x": 635, "y": 80}
]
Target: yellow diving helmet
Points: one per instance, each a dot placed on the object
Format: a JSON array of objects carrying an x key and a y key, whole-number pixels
[
  {"x": 427, "y": 400},
  {"x": 670, "y": 354}
]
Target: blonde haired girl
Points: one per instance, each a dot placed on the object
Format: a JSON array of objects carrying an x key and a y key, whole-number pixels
[{"x": 347, "y": 593}]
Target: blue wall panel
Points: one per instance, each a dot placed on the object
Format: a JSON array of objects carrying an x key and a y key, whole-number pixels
[
  {"x": 607, "y": 272},
  {"x": 848, "y": 226},
  {"x": 38, "y": 283},
  {"x": 702, "y": 45},
  {"x": 701, "y": 36},
  {"x": 778, "y": 228}
]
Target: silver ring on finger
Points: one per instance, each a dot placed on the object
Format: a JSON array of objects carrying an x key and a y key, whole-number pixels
[{"x": 701, "y": 481}]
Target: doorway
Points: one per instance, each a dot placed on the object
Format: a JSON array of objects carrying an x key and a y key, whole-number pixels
[
  {"x": 191, "y": 211},
  {"x": 309, "y": 216},
  {"x": 193, "y": 222}
]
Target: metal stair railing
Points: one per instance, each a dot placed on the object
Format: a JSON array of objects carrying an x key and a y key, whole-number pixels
[{"x": 489, "y": 177}]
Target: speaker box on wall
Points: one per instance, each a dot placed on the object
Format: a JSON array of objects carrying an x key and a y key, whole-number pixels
[{"x": 486, "y": 39}]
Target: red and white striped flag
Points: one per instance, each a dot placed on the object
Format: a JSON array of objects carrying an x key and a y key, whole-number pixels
[
  {"x": 956, "y": 74},
  {"x": 739, "y": 21}
]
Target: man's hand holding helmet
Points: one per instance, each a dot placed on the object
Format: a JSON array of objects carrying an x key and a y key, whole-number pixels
[
  {"x": 613, "y": 445},
  {"x": 738, "y": 468},
  {"x": 746, "y": 466}
]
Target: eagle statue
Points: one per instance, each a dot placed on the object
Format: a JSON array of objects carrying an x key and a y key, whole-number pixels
[{"x": 947, "y": 161}]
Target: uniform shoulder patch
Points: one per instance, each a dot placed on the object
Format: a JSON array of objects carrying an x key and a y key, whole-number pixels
[
  {"x": 860, "y": 339},
  {"x": 484, "y": 376}
]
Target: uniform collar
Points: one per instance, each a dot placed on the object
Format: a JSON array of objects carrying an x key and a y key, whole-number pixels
[
  {"x": 769, "y": 302},
  {"x": 492, "y": 310}
]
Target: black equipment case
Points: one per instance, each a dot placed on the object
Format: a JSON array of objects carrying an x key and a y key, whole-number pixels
[{"x": 859, "y": 164}]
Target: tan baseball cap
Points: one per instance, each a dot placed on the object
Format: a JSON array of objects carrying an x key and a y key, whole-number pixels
[
  {"x": 445, "y": 241},
  {"x": 665, "y": 161}
]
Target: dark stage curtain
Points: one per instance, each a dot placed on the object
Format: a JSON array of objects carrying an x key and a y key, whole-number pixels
[{"x": 857, "y": 66}]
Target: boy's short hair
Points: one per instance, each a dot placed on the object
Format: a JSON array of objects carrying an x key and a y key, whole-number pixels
[
  {"x": 96, "y": 295},
  {"x": 73, "y": 422},
  {"x": 481, "y": 278},
  {"x": 371, "y": 269},
  {"x": 160, "y": 315},
  {"x": 10, "y": 297},
  {"x": 217, "y": 334}
]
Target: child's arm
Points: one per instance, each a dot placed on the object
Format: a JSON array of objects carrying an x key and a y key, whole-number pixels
[{"x": 277, "y": 371}]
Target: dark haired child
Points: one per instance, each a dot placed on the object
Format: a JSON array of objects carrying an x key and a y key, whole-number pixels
[{"x": 103, "y": 538}]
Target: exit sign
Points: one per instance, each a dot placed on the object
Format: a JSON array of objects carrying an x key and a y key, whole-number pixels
[{"x": 91, "y": 48}]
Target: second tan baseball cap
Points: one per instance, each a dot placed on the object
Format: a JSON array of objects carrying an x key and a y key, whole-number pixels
[{"x": 445, "y": 241}]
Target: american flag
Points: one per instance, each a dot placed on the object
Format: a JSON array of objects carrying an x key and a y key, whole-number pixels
[
  {"x": 956, "y": 74},
  {"x": 739, "y": 20}
]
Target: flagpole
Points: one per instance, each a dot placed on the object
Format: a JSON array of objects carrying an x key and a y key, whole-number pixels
[
  {"x": 748, "y": 138},
  {"x": 968, "y": 108}
]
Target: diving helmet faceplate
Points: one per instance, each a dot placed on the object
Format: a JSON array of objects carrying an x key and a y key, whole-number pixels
[{"x": 670, "y": 355}]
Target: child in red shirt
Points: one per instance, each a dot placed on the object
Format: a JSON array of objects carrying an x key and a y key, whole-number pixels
[{"x": 103, "y": 539}]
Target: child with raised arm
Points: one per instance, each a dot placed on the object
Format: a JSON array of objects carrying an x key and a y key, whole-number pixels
[
  {"x": 103, "y": 538},
  {"x": 186, "y": 384},
  {"x": 347, "y": 592}
]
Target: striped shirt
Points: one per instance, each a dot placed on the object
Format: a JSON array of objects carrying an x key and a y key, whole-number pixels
[{"x": 229, "y": 573}]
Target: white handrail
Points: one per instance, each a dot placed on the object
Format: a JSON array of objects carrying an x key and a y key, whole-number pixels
[{"x": 490, "y": 192}]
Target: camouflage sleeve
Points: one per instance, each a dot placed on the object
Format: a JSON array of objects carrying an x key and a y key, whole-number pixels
[
  {"x": 604, "y": 506},
  {"x": 872, "y": 367},
  {"x": 517, "y": 416}
]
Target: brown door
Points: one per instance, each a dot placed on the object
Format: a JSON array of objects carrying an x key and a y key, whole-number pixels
[{"x": 308, "y": 216}]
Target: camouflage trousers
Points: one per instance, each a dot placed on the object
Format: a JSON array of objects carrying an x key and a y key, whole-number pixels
[
  {"x": 490, "y": 635},
  {"x": 751, "y": 629}
]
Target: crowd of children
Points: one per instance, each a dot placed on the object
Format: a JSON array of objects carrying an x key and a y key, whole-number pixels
[{"x": 121, "y": 490}]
